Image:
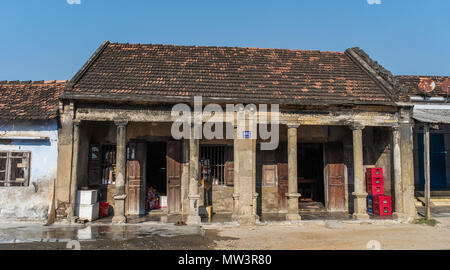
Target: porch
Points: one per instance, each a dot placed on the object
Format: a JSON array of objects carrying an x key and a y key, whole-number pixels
[{"x": 316, "y": 171}]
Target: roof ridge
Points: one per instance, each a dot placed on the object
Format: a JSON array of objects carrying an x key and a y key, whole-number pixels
[
  {"x": 218, "y": 47},
  {"x": 417, "y": 76},
  {"x": 33, "y": 82}
]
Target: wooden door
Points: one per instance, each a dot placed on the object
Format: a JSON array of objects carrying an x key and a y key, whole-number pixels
[
  {"x": 269, "y": 167},
  {"x": 335, "y": 177},
  {"x": 174, "y": 169},
  {"x": 135, "y": 187},
  {"x": 283, "y": 176}
]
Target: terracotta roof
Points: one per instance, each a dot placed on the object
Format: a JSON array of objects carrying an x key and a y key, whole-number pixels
[
  {"x": 30, "y": 100},
  {"x": 149, "y": 72},
  {"x": 412, "y": 84}
]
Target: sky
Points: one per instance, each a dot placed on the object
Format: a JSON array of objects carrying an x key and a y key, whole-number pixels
[{"x": 52, "y": 39}]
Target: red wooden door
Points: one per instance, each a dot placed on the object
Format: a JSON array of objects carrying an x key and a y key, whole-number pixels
[
  {"x": 135, "y": 201},
  {"x": 283, "y": 176},
  {"x": 336, "y": 177},
  {"x": 174, "y": 169}
]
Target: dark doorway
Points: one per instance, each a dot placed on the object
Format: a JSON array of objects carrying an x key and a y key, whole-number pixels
[
  {"x": 156, "y": 186},
  {"x": 438, "y": 176},
  {"x": 310, "y": 172}
]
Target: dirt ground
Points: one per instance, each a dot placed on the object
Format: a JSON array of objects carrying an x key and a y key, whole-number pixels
[
  {"x": 313, "y": 235},
  {"x": 336, "y": 236}
]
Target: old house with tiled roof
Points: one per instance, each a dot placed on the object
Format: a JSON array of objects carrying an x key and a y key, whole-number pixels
[
  {"x": 430, "y": 96},
  {"x": 336, "y": 113},
  {"x": 28, "y": 148}
]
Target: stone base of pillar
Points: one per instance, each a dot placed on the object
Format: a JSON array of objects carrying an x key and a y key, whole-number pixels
[
  {"x": 402, "y": 217},
  {"x": 247, "y": 220},
  {"x": 361, "y": 216},
  {"x": 119, "y": 219},
  {"x": 119, "y": 209},
  {"x": 193, "y": 216},
  {"x": 193, "y": 220},
  {"x": 292, "y": 213},
  {"x": 234, "y": 214},
  {"x": 360, "y": 206}
]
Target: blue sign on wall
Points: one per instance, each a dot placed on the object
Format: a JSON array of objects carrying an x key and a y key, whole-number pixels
[{"x": 247, "y": 134}]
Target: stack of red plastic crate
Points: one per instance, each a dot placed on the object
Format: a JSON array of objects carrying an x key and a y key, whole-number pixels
[{"x": 378, "y": 203}]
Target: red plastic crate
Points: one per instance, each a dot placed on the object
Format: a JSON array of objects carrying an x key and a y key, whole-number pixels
[
  {"x": 375, "y": 189},
  {"x": 373, "y": 172},
  {"x": 375, "y": 180},
  {"x": 382, "y": 205}
]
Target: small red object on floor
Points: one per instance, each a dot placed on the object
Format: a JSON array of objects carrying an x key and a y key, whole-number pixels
[{"x": 103, "y": 209}]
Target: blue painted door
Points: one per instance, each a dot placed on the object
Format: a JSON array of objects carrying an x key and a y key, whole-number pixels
[{"x": 437, "y": 161}]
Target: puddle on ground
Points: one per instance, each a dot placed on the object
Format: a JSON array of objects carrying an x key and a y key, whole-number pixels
[{"x": 57, "y": 233}]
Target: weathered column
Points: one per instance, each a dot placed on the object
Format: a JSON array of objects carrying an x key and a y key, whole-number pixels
[
  {"x": 292, "y": 194},
  {"x": 64, "y": 168},
  {"x": 194, "y": 196},
  {"x": 235, "y": 175},
  {"x": 406, "y": 152},
  {"x": 360, "y": 201},
  {"x": 74, "y": 176},
  {"x": 121, "y": 149},
  {"x": 398, "y": 188},
  {"x": 246, "y": 157}
]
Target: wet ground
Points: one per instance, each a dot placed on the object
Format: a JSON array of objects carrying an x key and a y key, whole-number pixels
[
  {"x": 315, "y": 231},
  {"x": 97, "y": 236}
]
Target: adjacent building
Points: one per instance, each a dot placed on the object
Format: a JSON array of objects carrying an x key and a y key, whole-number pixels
[
  {"x": 430, "y": 97},
  {"x": 28, "y": 148}
]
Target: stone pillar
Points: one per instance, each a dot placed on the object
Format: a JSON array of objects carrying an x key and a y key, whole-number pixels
[
  {"x": 64, "y": 168},
  {"x": 194, "y": 196},
  {"x": 246, "y": 186},
  {"x": 74, "y": 176},
  {"x": 235, "y": 175},
  {"x": 407, "y": 158},
  {"x": 121, "y": 159},
  {"x": 397, "y": 172},
  {"x": 360, "y": 201},
  {"x": 292, "y": 194}
]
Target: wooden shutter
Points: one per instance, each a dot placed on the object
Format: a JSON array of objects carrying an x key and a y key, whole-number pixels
[{"x": 283, "y": 175}]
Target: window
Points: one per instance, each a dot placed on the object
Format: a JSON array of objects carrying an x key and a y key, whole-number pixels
[
  {"x": 216, "y": 156},
  {"x": 14, "y": 169}
]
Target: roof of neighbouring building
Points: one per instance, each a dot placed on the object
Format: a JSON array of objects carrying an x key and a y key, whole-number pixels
[
  {"x": 147, "y": 72},
  {"x": 412, "y": 84},
  {"x": 27, "y": 100}
]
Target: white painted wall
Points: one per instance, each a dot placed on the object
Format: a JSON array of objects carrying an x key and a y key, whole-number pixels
[{"x": 30, "y": 203}]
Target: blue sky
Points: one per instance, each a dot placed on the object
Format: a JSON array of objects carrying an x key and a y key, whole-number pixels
[{"x": 46, "y": 40}]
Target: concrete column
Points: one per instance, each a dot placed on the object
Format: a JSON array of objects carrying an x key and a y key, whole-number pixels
[
  {"x": 194, "y": 196},
  {"x": 121, "y": 159},
  {"x": 397, "y": 172},
  {"x": 74, "y": 176},
  {"x": 292, "y": 194},
  {"x": 246, "y": 186},
  {"x": 360, "y": 201},
  {"x": 64, "y": 168},
  {"x": 235, "y": 175},
  {"x": 407, "y": 158}
]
